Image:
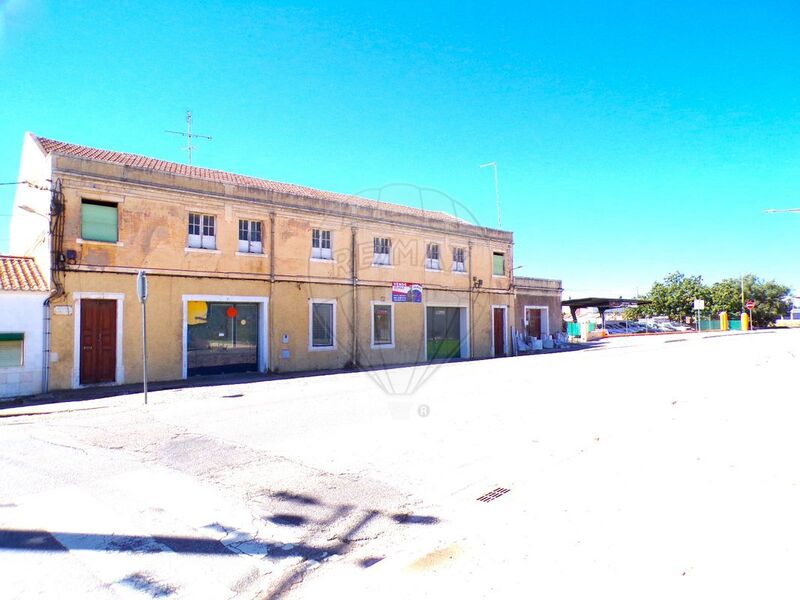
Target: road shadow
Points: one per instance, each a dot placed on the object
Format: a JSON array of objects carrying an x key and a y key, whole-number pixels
[
  {"x": 34, "y": 540},
  {"x": 342, "y": 524}
]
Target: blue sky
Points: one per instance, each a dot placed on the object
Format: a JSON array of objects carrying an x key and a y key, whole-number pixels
[{"x": 632, "y": 139}]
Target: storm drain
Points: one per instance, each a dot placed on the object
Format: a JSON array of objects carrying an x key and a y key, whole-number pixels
[{"x": 493, "y": 495}]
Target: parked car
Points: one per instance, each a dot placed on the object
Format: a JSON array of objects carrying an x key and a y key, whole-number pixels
[{"x": 615, "y": 327}]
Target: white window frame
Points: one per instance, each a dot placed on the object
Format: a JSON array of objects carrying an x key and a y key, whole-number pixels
[
  {"x": 463, "y": 263},
  {"x": 320, "y": 252},
  {"x": 263, "y": 323},
  {"x": 198, "y": 241},
  {"x": 251, "y": 247},
  {"x": 433, "y": 264},
  {"x": 373, "y": 345},
  {"x": 545, "y": 318},
  {"x": 311, "y": 303},
  {"x": 119, "y": 372},
  {"x": 382, "y": 259}
]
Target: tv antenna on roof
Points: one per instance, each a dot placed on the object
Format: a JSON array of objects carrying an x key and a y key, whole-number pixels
[
  {"x": 493, "y": 164},
  {"x": 189, "y": 135}
]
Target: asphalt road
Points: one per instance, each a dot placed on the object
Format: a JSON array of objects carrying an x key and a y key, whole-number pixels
[{"x": 640, "y": 467}]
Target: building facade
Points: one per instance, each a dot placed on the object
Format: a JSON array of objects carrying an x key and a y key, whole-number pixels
[
  {"x": 246, "y": 273},
  {"x": 538, "y": 307},
  {"x": 23, "y": 291}
]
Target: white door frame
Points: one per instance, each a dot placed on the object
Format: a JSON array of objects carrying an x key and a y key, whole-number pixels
[
  {"x": 505, "y": 327},
  {"x": 119, "y": 370},
  {"x": 463, "y": 324},
  {"x": 263, "y": 338},
  {"x": 545, "y": 318}
]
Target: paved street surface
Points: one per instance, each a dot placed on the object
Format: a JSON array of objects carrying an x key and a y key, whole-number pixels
[{"x": 660, "y": 467}]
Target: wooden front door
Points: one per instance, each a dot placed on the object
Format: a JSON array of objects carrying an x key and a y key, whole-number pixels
[
  {"x": 533, "y": 322},
  {"x": 98, "y": 341},
  {"x": 499, "y": 331}
]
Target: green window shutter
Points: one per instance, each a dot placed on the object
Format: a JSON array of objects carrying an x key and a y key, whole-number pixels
[
  {"x": 498, "y": 264},
  {"x": 11, "y": 345},
  {"x": 99, "y": 221}
]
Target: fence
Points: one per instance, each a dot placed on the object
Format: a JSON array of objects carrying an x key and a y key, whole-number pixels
[
  {"x": 714, "y": 325},
  {"x": 574, "y": 329}
]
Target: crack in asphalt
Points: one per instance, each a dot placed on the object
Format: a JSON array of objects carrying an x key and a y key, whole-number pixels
[{"x": 52, "y": 443}]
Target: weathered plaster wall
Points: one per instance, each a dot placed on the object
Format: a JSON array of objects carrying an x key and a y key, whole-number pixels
[
  {"x": 22, "y": 313},
  {"x": 153, "y": 211}
]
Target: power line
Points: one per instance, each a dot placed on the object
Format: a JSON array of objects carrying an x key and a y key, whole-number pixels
[{"x": 28, "y": 183}]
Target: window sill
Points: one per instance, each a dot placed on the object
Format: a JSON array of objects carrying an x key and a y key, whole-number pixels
[
  {"x": 459, "y": 272},
  {"x": 254, "y": 254},
  {"x": 321, "y": 260},
  {"x": 499, "y": 276},
  {"x": 429, "y": 270},
  {"x": 382, "y": 346},
  {"x": 81, "y": 241},
  {"x": 206, "y": 250},
  {"x": 321, "y": 348},
  {"x": 382, "y": 266}
]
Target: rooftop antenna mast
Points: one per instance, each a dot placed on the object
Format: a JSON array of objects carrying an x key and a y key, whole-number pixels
[
  {"x": 189, "y": 135},
  {"x": 496, "y": 189}
]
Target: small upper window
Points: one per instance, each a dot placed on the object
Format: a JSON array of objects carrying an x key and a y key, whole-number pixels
[
  {"x": 99, "y": 221},
  {"x": 382, "y": 251},
  {"x": 321, "y": 244},
  {"x": 250, "y": 236},
  {"x": 11, "y": 349},
  {"x": 432, "y": 257},
  {"x": 458, "y": 260},
  {"x": 202, "y": 231},
  {"x": 498, "y": 264}
]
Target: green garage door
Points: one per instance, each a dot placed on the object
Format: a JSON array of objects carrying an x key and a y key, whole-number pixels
[{"x": 444, "y": 332}]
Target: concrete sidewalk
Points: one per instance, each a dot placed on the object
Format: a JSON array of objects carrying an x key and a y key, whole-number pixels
[{"x": 636, "y": 468}]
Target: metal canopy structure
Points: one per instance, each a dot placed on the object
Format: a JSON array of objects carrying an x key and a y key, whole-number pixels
[{"x": 601, "y": 304}]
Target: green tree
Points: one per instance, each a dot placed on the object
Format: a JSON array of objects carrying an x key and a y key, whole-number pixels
[
  {"x": 772, "y": 299},
  {"x": 674, "y": 297}
]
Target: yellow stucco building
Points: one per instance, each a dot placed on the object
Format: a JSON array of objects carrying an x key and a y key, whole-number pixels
[{"x": 246, "y": 273}]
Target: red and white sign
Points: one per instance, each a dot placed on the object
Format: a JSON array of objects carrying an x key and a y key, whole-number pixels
[{"x": 750, "y": 304}]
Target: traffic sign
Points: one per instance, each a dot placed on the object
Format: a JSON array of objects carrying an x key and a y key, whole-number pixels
[
  {"x": 750, "y": 304},
  {"x": 141, "y": 286}
]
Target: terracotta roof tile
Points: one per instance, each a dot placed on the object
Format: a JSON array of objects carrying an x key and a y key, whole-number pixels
[
  {"x": 144, "y": 162},
  {"x": 20, "y": 274}
]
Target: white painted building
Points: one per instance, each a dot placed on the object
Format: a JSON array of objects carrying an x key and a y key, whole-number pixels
[{"x": 23, "y": 291}]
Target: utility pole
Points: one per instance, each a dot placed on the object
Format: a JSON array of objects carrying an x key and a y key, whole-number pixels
[
  {"x": 496, "y": 189},
  {"x": 189, "y": 135},
  {"x": 141, "y": 292},
  {"x": 741, "y": 282}
]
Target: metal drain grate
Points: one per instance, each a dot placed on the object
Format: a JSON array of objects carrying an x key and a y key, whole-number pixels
[{"x": 493, "y": 495}]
